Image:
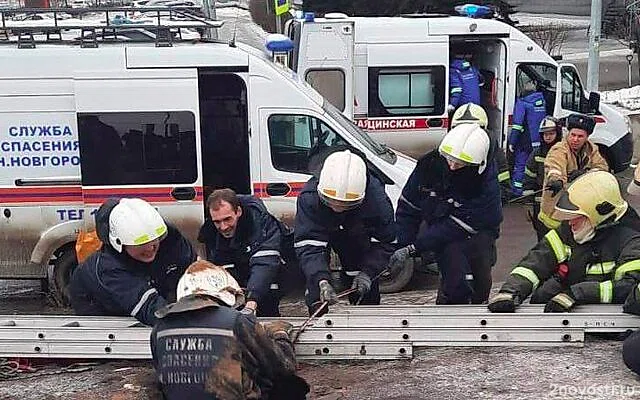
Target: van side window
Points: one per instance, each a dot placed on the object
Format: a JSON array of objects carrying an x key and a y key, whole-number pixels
[
  {"x": 572, "y": 91},
  {"x": 126, "y": 148},
  {"x": 330, "y": 84},
  {"x": 406, "y": 91},
  {"x": 295, "y": 139}
]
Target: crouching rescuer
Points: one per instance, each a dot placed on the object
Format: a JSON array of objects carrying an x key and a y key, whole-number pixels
[
  {"x": 203, "y": 348},
  {"x": 346, "y": 209},
  {"x": 451, "y": 205},
  {"x": 594, "y": 257}
]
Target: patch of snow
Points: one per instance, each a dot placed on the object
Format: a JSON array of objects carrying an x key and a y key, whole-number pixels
[
  {"x": 628, "y": 98},
  {"x": 526, "y": 19}
]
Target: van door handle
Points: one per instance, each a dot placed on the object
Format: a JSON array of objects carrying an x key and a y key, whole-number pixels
[
  {"x": 278, "y": 189},
  {"x": 435, "y": 122},
  {"x": 183, "y": 193}
]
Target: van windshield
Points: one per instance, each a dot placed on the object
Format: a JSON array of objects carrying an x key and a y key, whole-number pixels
[{"x": 361, "y": 136}]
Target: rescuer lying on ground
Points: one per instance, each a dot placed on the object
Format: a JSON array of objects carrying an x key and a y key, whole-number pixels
[
  {"x": 137, "y": 269},
  {"x": 594, "y": 257}
]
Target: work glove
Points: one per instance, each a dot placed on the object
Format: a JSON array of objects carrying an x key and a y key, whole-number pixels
[
  {"x": 362, "y": 283},
  {"x": 512, "y": 149},
  {"x": 576, "y": 173},
  {"x": 504, "y": 303},
  {"x": 555, "y": 186},
  {"x": 278, "y": 328},
  {"x": 399, "y": 258},
  {"x": 249, "y": 312},
  {"x": 562, "y": 302},
  {"x": 327, "y": 293}
]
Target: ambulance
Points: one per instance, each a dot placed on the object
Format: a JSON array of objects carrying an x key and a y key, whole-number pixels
[
  {"x": 167, "y": 123},
  {"x": 391, "y": 76}
]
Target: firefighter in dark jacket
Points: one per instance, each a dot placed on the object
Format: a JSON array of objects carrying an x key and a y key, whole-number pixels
[
  {"x": 137, "y": 269},
  {"x": 245, "y": 238},
  {"x": 550, "y": 134},
  {"x": 205, "y": 349},
  {"x": 451, "y": 205},
  {"x": 474, "y": 114},
  {"x": 528, "y": 113},
  {"x": 594, "y": 257},
  {"x": 346, "y": 209}
]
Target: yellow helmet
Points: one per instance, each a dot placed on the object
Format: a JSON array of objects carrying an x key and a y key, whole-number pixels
[
  {"x": 470, "y": 113},
  {"x": 595, "y": 195}
]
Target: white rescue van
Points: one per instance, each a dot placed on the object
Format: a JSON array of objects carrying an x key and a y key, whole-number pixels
[
  {"x": 391, "y": 76},
  {"x": 166, "y": 124}
]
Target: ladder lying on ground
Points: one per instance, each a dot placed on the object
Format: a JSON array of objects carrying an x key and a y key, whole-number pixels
[{"x": 354, "y": 333}]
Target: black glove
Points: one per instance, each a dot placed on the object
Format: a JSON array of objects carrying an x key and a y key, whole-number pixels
[
  {"x": 562, "y": 302},
  {"x": 555, "y": 186},
  {"x": 504, "y": 303},
  {"x": 399, "y": 258},
  {"x": 576, "y": 173},
  {"x": 327, "y": 293},
  {"x": 362, "y": 283}
]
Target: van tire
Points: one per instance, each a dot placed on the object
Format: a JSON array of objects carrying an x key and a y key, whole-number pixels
[
  {"x": 397, "y": 283},
  {"x": 64, "y": 264}
]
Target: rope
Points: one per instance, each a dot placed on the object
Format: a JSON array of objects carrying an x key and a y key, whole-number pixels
[{"x": 14, "y": 369}]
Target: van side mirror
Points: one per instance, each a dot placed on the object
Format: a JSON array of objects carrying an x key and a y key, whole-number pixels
[{"x": 594, "y": 102}]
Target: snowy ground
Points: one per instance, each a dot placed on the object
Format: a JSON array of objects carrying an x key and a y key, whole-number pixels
[{"x": 628, "y": 99}]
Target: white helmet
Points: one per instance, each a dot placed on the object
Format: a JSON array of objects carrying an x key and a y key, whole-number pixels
[
  {"x": 343, "y": 180},
  {"x": 205, "y": 278},
  {"x": 467, "y": 144},
  {"x": 470, "y": 113},
  {"x": 134, "y": 222}
]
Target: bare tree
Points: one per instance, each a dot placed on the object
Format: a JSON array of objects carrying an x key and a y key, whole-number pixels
[{"x": 551, "y": 37}]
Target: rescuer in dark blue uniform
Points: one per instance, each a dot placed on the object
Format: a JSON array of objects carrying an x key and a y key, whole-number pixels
[
  {"x": 451, "y": 205},
  {"x": 137, "y": 269},
  {"x": 346, "y": 209}
]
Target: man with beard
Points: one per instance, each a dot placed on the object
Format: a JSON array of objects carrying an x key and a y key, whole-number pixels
[{"x": 451, "y": 206}]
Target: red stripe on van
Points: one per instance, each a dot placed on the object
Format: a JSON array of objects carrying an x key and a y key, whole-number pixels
[
  {"x": 396, "y": 124},
  {"x": 152, "y": 195},
  {"x": 41, "y": 194},
  {"x": 260, "y": 189}
]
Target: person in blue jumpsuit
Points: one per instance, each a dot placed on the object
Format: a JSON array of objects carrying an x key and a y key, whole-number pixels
[
  {"x": 451, "y": 205},
  {"x": 346, "y": 209},
  {"x": 136, "y": 271},
  {"x": 464, "y": 84},
  {"x": 528, "y": 113},
  {"x": 244, "y": 237}
]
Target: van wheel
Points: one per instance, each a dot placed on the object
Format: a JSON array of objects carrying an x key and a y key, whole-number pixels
[
  {"x": 64, "y": 264},
  {"x": 389, "y": 284}
]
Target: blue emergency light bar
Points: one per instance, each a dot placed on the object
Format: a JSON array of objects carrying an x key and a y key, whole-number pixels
[
  {"x": 473, "y": 10},
  {"x": 278, "y": 43}
]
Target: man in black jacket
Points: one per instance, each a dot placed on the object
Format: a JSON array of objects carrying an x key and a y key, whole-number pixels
[
  {"x": 246, "y": 239},
  {"x": 346, "y": 209},
  {"x": 137, "y": 269}
]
